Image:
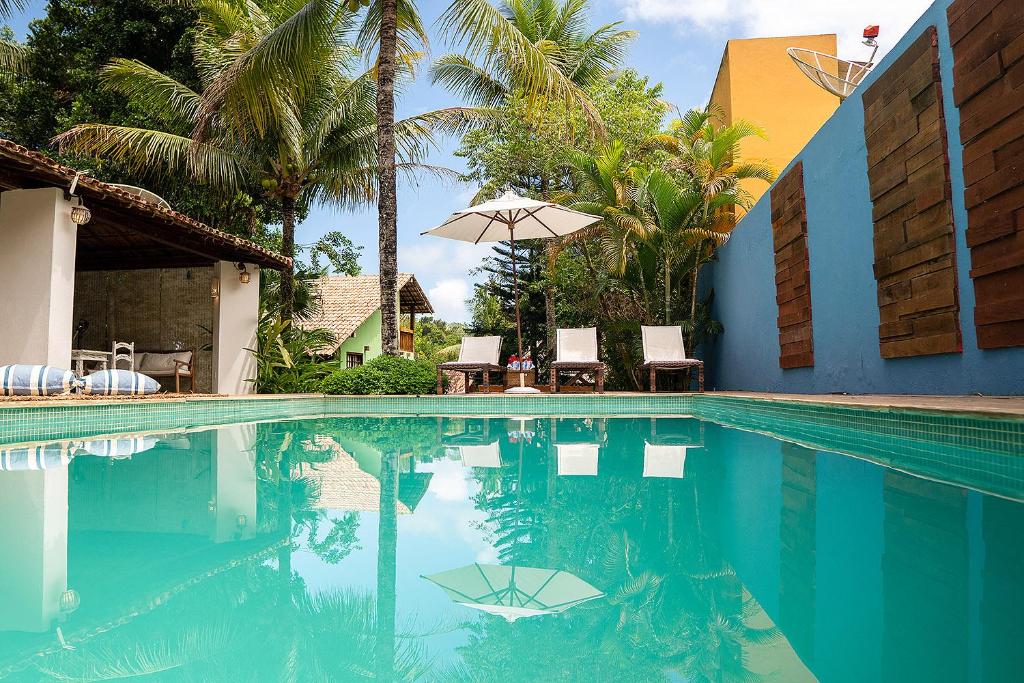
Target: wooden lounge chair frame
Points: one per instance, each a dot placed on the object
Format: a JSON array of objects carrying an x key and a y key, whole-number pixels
[
  {"x": 687, "y": 364},
  {"x": 468, "y": 367},
  {"x": 581, "y": 367}
]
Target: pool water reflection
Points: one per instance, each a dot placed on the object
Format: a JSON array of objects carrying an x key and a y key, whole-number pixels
[{"x": 494, "y": 549}]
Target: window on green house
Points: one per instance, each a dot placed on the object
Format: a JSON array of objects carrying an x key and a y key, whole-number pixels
[{"x": 353, "y": 360}]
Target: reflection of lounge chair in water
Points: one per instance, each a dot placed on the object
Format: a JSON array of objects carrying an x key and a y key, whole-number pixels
[
  {"x": 577, "y": 459},
  {"x": 670, "y": 440},
  {"x": 664, "y": 461},
  {"x": 483, "y": 455},
  {"x": 577, "y": 445}
]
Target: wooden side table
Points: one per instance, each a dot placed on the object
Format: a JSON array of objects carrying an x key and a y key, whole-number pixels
[
  {"x": 512, "y": 378},
  {"x": 79, "y": 357}
]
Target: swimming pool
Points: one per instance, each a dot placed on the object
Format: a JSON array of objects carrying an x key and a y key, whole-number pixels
[{"x": 642, "y": 547}]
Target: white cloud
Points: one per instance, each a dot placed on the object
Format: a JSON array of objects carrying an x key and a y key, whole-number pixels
[
  {"x": 437, "y": 256},
  {"x": 449, "y": 299},
  {"x": 762, "y": 18}
]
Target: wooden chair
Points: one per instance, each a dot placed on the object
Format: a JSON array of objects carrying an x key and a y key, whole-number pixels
[
  {"x": 122, "y": 351},
  {"x": 166, "y": 364},
  {"x": 576, "y": 351},
  {"x": 664, "y": 350},
  {"x": 476, "y": 354}
]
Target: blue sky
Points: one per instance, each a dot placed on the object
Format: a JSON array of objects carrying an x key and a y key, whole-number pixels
[{"x": 680, "y": 45}]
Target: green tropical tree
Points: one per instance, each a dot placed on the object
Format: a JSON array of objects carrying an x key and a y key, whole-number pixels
[
  {"x": 707, "y": 160},
  {"x": 285, "y": 104},
  {"x": 529, "y": 55},
  {"x": 540, "y": 49},
  {"x": 662, "y": 222},
  {"x": 10, "y": 51}
]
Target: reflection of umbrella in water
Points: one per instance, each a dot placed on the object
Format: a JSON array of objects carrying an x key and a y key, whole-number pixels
[
  {"x": 514, "y": 592},
  {"x": 119, "y": 448}
]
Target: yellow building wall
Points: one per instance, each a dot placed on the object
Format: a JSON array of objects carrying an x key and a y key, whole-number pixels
[{"x": 757, "y": 81}]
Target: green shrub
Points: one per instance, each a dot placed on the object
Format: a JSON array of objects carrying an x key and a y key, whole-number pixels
[{"x": 383, "y": 375}]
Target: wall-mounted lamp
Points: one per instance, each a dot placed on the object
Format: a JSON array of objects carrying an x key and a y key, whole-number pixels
[
  {"x": 243, "y": 275},
  {"x": 80, "y": 215},
  {"x": 215, "y": 287}
]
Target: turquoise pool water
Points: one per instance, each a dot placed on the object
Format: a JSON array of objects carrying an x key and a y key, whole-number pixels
[{"x": 511, "y": 549}]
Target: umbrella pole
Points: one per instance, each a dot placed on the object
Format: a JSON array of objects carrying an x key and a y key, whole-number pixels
[{"x": 515, "y": 287}]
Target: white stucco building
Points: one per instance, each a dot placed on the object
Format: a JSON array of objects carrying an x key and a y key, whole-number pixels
[{"x": 137, "y": 271}]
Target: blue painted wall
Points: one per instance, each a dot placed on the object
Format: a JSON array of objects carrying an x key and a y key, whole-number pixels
[{"x": 843, "y": 289}]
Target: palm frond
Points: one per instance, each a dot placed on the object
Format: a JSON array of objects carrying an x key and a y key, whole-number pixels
[{"x": 156, "y": 153}]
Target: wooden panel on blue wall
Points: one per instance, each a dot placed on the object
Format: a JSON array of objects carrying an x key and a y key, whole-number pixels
[
  {"x": 792, "y": 270},
  {"x": 988, "y": 86},
  {"x": 914, "y": 240}
]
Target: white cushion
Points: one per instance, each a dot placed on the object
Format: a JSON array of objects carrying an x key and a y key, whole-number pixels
[
  {"x": 163, "y": 362},
  {"x": 577, "y": 345},
  {"x": 480, "y": 350},
  {"x": 663, "y": 343}
]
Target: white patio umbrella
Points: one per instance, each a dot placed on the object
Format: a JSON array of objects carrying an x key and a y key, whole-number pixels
[{"x": 510, "y": 218}]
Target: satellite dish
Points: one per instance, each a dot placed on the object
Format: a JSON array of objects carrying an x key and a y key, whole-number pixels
[
  {"x": 144, "y": 194},
  {"x": 838, "y": 76}
]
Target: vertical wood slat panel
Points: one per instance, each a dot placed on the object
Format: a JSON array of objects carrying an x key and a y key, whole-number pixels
[
  {"x": 792, "y": 270},
  {"x": 988, "y": 75},
  {"x": 908, "y": 174}
]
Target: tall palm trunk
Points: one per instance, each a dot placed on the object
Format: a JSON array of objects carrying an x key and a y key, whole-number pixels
[
  {"x": 668, "y": 289},
  {"x": 387, "y": 207},
  {"x": 693, "y": 296},
  {"x": 387, "y": 550},
  {"x": 288, "y": 249}
]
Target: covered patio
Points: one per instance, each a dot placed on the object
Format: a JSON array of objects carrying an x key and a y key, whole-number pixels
[{"x": 84, "y": 264}]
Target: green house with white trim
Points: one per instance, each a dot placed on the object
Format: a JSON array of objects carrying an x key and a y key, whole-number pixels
[{"x": 350, "y": 308}]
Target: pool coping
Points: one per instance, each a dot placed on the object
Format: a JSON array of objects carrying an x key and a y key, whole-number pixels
[{"x": 982, "y": 406}]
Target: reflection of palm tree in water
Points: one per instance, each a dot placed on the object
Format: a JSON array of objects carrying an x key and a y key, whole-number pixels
[
  {"x": 672, "y": 601},
  {"x": 289, "y": 633}
]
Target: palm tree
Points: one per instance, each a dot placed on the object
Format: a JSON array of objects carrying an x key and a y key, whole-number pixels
[
  {"x": 706, "y": 157},
  {"x": 11, "y": 53},
  {"x": 534, "y": 49},
  {"x": 284, "y": 108},
  {"x": 672, "y": 216},
  {"x": 393, "y": 26},
  {"x": 540, "y": 49}
]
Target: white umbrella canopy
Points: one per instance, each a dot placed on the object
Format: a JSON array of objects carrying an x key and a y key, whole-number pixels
[
  {"x": 513, "y": 592},
  {"x": 511, "y": 217}
]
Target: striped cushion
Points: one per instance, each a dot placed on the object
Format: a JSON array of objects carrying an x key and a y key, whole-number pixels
[
  {"x": 124, "y": 447},
  {"x": 35, "y": 380},
  {"x": 109, "y": 382},
  {"x": 39, "y": 457}
]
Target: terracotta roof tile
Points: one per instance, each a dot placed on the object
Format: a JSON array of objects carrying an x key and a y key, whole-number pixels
[
  {"x": 42, "y": 168},
  {"x": 343, "y": 485},
  {"x": 346, "y": 302}
]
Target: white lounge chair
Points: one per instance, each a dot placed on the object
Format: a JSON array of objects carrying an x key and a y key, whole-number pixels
[
  {"x": 577, "y": 459},
  {"x": 476, "y": 354},
  {"x": 664, "y": 350},
  {"x": 576, "y": 350},
  {"x": 664, "y": 461}
]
